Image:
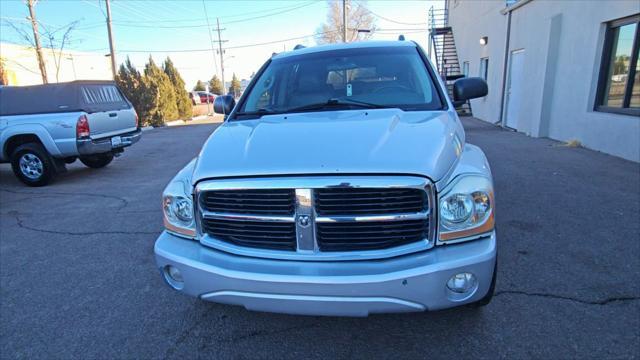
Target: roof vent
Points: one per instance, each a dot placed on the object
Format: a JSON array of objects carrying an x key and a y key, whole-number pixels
[
  {"x": 401, "y": 38},
  {"x": 299, "y": 46}
]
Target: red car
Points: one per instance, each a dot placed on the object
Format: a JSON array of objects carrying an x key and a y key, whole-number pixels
[{"x": 206, "y": 97}]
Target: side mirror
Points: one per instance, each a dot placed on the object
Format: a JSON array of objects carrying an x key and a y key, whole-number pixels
[
  {"x": 224, "y": 104},
  {"x": 468, "y": 88}
]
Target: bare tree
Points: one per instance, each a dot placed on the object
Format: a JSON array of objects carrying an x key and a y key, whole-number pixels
[
  {"x": 358, "y": 18},
  {"x": 57, "y": 38},
  {"x": 53, "y": 41}
]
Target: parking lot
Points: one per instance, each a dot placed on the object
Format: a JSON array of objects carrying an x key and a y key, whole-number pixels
[{"x": 78, "y": 277}]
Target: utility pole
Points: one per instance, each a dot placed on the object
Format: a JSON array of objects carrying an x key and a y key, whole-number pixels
[
  {"x": 220, "y": 41},
  {"x": 111, "y": 47},
  {"x": 344, "y": 20},
  {"x": 36, "y": 36}
]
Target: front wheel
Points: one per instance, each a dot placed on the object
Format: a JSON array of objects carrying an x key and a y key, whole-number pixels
[
  {"x": 97, "y": 161},
  {"x": 32, "y": 164}
]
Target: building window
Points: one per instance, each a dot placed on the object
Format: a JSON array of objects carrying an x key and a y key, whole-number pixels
[
  {"x": 619, "y": 83},
  {"x": 465, "y": 69},
  {"x": 484, "y": 68}
]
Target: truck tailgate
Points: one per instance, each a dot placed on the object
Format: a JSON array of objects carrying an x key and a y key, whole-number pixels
[
  {"x": 109, "y": 123},
  {"x": 108, "y": 111}
]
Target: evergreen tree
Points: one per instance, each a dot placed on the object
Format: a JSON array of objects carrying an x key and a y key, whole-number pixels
[
  {"x": 199, "y": 86},
  {"x": 161, "y": 95},
  {"x": 183, "y": 103},
  {"x": 131, "y": 84},
  {"x": 215, "y": 85},
  {"x": 235, "y": 87}
]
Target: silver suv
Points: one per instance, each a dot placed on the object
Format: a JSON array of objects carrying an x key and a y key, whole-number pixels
[{"x": 340, "y": 184}]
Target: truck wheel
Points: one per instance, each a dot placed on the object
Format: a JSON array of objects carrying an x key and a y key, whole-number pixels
[
  {"x": 97, "y": 161},
  {"x": 32, "y": 164}
]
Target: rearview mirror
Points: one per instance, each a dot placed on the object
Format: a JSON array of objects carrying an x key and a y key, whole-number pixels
[
  {"x": 469, "y": 88},
  {"x": 224, "y": 104}
]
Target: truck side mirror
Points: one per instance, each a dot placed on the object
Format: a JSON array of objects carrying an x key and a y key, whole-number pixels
[
  {"x": 224, "y": 104},
  {"x": 468, "y": 88}
]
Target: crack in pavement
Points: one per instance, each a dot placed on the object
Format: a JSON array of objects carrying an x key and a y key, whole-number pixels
[
  {"x": 561, "y": 297},
  {"x": 124, "y": 202},
  {"x": 183, "y": 336},
  {"x": 258, "y": 333},
  {"x": 21, "y": 225}
]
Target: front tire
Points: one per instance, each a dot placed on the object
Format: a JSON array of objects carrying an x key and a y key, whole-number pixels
[
  {"x": 32, "y": 164},
  {"x": 97, "y": 161}
]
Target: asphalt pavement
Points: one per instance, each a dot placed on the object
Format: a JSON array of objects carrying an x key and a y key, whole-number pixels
[{"x": 78, "y": 278}]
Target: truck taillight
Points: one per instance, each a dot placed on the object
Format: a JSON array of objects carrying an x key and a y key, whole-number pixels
[
  {"x": 137, "y": 123},
  {"x": 82, "y": 127}
]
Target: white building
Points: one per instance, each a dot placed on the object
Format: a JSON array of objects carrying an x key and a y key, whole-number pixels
[
  {"x": 567, "y": 70},
  {"x": 21, "y": 65}
]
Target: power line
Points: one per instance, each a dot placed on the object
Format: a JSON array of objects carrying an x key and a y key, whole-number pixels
[
  {"x": 213, "y": 51},
  {"x": 390, "y": 20},
  {"x": 231, "y": 47},
  {"x": 136, "y": 24},
  {"x": 203, "y": 19}
]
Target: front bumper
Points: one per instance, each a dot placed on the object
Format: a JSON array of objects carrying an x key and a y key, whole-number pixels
[
  {"x": 99, "y": 146},
  {"x": 415, "y": 282}
]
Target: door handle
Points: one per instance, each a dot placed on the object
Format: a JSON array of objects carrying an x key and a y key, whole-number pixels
[{"x": 113, "y": 114}]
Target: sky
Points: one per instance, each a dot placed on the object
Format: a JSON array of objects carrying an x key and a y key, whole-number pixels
[{"x": 253, "y": 30}]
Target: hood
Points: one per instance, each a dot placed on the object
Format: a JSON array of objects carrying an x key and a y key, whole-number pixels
[{"x": 380, "y": 141}]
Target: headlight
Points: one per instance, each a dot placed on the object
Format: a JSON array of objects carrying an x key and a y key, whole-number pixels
[
  {"x": 466, "y": 208},
  {"x": 177, "y": 204}
]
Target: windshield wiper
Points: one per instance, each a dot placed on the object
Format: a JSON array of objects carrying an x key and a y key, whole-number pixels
[
  {"x": 337, "y": 102},
  {"x": 258, "y": 113}
]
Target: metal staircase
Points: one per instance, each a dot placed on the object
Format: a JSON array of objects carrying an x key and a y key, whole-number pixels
[{"x": 442, "y": 44}]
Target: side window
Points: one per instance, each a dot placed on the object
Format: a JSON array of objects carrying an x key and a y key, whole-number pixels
[
  {"x": 263, "y": 92},
  {"x": 101, "y": 94},
  {"x": 465, "y": 69},
  {"x": 619, "y": 83},
  {"x": 484, "y": 68}
]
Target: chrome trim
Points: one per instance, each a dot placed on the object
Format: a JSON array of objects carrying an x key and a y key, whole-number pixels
[
  {"x": 304, "y": 187},
  {"x": 305, "y": 229},
  {"x": 395, "y": 217},
  {"x": 229, "y": 216}
]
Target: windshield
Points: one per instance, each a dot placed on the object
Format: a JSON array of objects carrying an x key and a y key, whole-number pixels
[{"x": 350, "y": 78}]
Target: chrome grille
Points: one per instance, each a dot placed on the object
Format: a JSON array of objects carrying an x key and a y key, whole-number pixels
[
  {"x": 258, "y": 234},
  {"x": 253, "y": 201},
  {"x": 370, "y": 201},
  {"x": 316, "y": 218},
  {"x": 348, "y": 236}
]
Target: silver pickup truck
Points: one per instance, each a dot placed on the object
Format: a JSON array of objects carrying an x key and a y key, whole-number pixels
[
  {"x": 44, "y": 127},
  {"x": 340, "y": 184}
]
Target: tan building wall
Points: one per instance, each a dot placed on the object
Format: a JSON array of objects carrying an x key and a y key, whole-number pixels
[{"x": 21, "y": 65}]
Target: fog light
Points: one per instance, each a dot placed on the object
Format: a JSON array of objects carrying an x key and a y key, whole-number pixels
[
  {"x": 462, "y": 283},
  {"x": 173, "y": 277}
]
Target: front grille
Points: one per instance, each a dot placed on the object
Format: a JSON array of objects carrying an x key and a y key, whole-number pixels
[
  {"x": 255, "y": 201},
  {"x": 369, "y": 201},
  {"x": 303, "y": 219},
  {"x": 257, "y": 234},
  {"x": 348, "y": 236}
]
